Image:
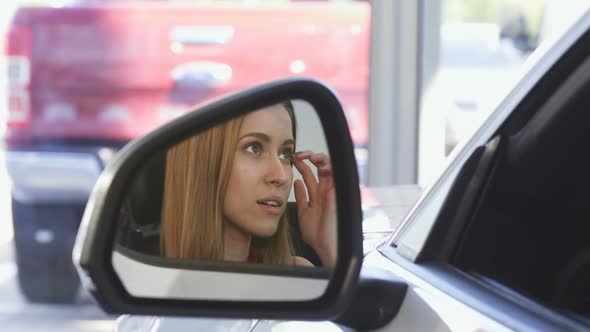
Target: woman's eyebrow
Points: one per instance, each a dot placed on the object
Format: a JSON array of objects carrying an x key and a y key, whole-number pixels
[
  {"x": 261, "y": 136},
  {"x": 266, "y": 138}
]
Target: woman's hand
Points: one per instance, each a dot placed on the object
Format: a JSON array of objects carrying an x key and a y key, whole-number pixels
[{"x": 317, "y": 215}]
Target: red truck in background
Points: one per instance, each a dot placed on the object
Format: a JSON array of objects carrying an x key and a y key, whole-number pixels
[{"x": 83, "y": 80}]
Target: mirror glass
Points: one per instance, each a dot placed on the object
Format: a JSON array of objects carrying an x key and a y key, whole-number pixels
[{"x": 245, "y": 210}]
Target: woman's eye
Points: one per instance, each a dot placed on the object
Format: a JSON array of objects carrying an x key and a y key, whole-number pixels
[
  {"x": 286, "y": 154},
  {"x": 253, "y": 148}
]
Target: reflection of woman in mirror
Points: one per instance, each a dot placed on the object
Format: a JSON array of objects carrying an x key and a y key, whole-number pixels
[{"x": 226, "y": 192}]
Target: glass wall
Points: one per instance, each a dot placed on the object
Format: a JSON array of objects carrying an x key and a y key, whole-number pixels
[{"x": 482, "y": 46}]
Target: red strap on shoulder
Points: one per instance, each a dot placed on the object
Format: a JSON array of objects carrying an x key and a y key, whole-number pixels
[{"x": 253, "y": 256}]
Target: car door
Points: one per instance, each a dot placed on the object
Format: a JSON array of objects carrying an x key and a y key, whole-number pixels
[{"x": 500, "y": 241}]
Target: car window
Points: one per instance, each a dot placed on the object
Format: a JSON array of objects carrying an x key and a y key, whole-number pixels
[
  {"x": 516, "y": 219},
  {"x": 525, "y": 232},
  {"x": 410, "y": 237}
]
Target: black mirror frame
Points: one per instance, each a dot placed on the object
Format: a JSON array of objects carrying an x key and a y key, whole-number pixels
[{"x": 93, "y": 250}]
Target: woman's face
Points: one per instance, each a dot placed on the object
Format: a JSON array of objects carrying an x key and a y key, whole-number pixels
[{"x": 261, "y": 176}]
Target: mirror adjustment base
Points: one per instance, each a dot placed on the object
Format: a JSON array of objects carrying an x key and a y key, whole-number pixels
[{"x": 377, "y": 300}]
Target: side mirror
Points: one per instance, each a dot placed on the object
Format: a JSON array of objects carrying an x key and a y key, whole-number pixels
[{"x": 216, "y": 214}]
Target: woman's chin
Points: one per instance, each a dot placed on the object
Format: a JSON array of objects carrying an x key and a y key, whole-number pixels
[{"x": 265, "y": 231}]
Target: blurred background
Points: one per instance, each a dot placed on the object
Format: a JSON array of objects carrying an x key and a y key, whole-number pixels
[{"x": 79, "y": 79}]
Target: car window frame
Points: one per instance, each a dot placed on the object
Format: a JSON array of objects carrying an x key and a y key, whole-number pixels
[{"x": 411, "y": 236}]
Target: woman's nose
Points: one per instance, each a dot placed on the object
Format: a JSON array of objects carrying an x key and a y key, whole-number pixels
[{"x": 276, "y": 171}]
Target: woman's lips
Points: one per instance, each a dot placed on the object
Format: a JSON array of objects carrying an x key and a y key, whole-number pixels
[
  {"x": 272, "y": 205},
  {"x": 274, "y": 210}
]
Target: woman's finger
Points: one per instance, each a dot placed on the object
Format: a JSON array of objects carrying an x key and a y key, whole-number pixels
[
  {"x": 325, "y": 171},
  {"x": 325, "y": 184},
  {"x": 319, "y": 159},
  {"x": 310, "y": 181},
  {"x": 304, "y": 154},
  {"x": 323, "y": 164},
  {"x": 300, "y": 195}
]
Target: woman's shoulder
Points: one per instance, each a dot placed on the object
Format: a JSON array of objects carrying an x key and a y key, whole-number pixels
[{"x": 301, "y": 261}]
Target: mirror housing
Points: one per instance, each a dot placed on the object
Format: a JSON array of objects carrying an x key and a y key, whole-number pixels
[{"x": 92, "y": 253}]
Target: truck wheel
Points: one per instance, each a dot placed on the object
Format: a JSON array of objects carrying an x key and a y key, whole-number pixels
[{"x": 44, "y": 237}]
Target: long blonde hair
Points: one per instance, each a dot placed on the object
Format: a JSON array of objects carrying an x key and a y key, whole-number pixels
[{"x": 196, "y": 180}]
